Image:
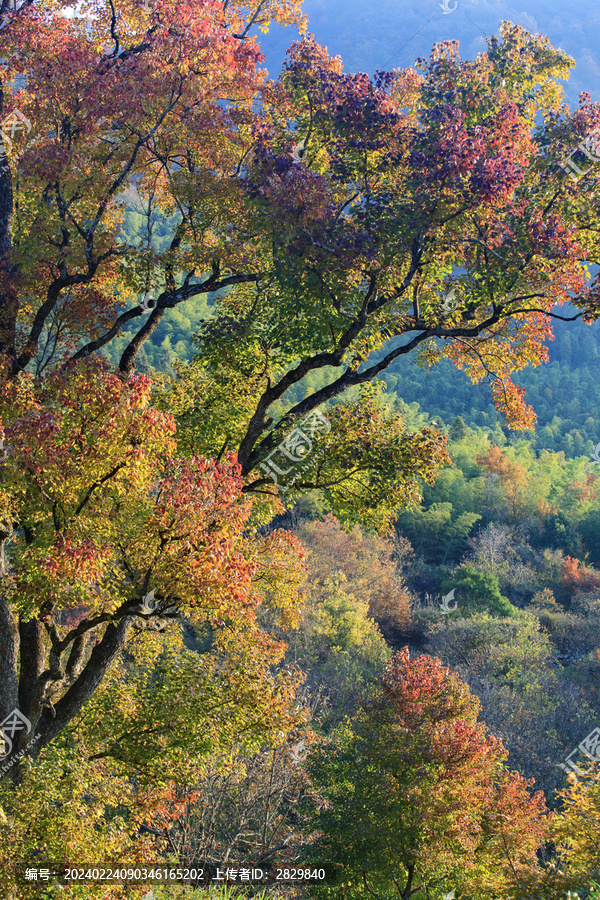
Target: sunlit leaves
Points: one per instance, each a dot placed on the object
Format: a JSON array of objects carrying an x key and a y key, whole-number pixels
[{"x": 413, "y": 792}]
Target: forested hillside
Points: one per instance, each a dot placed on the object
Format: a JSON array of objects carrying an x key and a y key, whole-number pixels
[{"x": 299, "y": 453}]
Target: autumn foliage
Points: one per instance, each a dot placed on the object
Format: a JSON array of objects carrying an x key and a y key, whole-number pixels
[
  {"x": 415, "y": 793},
  {"x": 110, "y": 519},
  {"x": 510, "y": 475},
  {"x": 577, "y": 576},
  {"x": 370, "y": 565},
  {"x": 325, "y": 215}
]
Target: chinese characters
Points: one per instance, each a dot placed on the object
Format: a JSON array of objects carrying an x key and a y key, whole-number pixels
[
  {"x": 589, "y": 748},
  {"x": 296, "y": 448}
]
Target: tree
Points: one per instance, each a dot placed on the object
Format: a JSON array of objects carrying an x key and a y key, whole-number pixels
[
  {"x": 574, "y": 830},
  {"x": 589, "y": 529},
  {"x": 371, "y": 565},
  {"x": 575, "y": 578},
  {"x": 326, "y": 254},
  {"x": 435, "y": 533},
  {"x": 108, "y": 519},
  {"x": 477, "y": 592},
  {"x": 511, "y": 476},
  {"x": 493, "y": 550},
  {"x": 366, "y": 228},
  {"x": 458, "y": 429},
  {"x": 92, "y": 474},
  {"x": 340, "y": 648},
  {"x": 118, "y": 544},
  {"x": 244, "y": 815},
  {"x": 108, "y": 504},
  {"x": 545, "y": 600},
  {"x": 414, "y": 799}
]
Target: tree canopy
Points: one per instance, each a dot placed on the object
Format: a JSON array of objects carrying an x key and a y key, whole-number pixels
[
  {"x": 416, "y": 798},
  {"x": 320, "y": 222}
]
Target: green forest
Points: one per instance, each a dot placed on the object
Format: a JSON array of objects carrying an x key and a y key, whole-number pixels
[{"x": 299, "y": 462}]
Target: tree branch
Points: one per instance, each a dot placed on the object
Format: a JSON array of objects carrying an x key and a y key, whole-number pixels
[
  {"x": 103, "y": 655},
  {"x": 353, "y": 378}
]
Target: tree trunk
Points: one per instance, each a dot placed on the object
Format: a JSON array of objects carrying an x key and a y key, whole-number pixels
[{"x": 9, "y": 652}]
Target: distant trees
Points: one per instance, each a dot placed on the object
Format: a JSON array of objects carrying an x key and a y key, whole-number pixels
[
  {"x": 371, "y": 565},
  {"x": 439, "y": 533},
  {"x": 510, "y": 474},
  {"x": 579, "y": 578},
  {"x": 534, "y": 705},
  {"x": 354, "y": 594},
  {"x": 544, "y": 537},
  {"x": 477, "y": 592}
]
